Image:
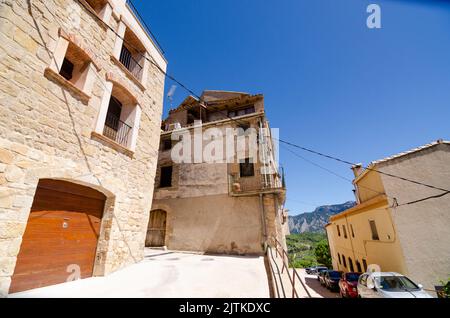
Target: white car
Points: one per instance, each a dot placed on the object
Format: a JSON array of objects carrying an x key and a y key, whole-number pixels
[{"x": 389, "y": 285}]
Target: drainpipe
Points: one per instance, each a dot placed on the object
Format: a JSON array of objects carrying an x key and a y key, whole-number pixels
[{"x": 263, "y": 221}]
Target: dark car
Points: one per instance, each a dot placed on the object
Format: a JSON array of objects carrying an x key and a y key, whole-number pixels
[
  {"x": 317, "y": 269},
  {"x": 331, "y": 279},
  {"x": 348, "y": 285},
  {"x": 321, "y": 276},
  {"x": 313, "y": 270}
]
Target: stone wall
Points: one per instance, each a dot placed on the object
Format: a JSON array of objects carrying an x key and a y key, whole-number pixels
[{"x": 46, "y": 131}]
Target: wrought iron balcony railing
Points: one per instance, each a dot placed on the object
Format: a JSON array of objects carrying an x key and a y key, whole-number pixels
[
  {"x": 127, "y": 59},
  {"x": 116, "y": 130}
]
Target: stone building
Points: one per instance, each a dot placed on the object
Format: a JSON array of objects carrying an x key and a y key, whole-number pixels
[
  {"x": 398, "y": 225},
  {"x": 81, "y": 103},
  {"x": 217, "y": 206}
]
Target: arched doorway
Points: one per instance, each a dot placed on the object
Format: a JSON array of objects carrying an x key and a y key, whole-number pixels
[
  {"x": 61, "y": 235},
  {"x": 156, "y": 231}
]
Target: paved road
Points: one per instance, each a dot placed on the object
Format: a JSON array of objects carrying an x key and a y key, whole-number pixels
[
  {"x": 169, "y": 274},
  {"x": 314, "y": 287}
]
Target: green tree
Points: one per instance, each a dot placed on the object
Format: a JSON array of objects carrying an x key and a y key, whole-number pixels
[{"x": 322, "y": 253}]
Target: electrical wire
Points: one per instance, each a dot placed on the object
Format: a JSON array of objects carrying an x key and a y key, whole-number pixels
[{"x": 190, "y": 91}]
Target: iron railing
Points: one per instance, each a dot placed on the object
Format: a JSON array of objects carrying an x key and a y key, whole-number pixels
[
  {"x": 281, "y": 252},
  {"x": 256, "y": 183},
  {"x": 127, "y": 59},
  {"x": 116, "y": 130}
]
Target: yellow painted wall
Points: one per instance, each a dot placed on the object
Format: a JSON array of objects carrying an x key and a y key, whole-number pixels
[
  {"x": 369, "y": 186},
  {"x": 385, "y": 252}
]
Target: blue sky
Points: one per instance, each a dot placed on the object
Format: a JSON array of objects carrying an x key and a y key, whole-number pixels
[{"x": 330, "y": 83}]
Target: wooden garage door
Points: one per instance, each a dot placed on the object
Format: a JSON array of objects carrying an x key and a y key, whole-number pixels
[{"x": 62, "y": 229}]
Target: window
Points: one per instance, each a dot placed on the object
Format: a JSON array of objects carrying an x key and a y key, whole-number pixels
[
  {"x": 351, "y": 228},
  {"x": 119, "y": 117},
  {"x": 344, "y": 261},
  {"x": 338, "y": 230},
  {"x": 358, "y": 266},
  {"x": 72, "y": 68},
  {"x": 365, "y": 265},
  {"x": 166, "y": 177},
  {"x": 166, "y": 144},
  {"x": 132, "y": 54},
  {"x": 373, "y": 228},
  {"x": 350, "y": 264},
  {"x": 344, "y": 230},
  {"x": 246, "y": 168},
  {"x": 339, "y": 257},
  {"x": 116, "y": 129},
  {"x": 66, "y": 69},
  {"x": 242, "y": 111},
  {"x": 97, "y": 5}
]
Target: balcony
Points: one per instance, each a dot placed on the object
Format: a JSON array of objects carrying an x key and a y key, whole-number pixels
[
  {"x": 264, "y": 183},
  {"x": 117, "y": 130},
  {"x": 130, "y": 63}
]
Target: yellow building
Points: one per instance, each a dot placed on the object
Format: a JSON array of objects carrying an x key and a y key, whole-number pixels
[{"x": 398, "y": 225}]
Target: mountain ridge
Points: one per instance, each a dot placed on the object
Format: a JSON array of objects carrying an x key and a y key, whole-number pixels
[{"x": 316, "y": 220}]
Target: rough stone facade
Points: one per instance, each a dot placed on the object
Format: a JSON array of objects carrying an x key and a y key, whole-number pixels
[
  {"x": 46, "y": 127},
  {"x": 209, "y": 206}
]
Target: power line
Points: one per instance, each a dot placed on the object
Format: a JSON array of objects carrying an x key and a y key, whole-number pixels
[
  {"x": 338, "y": 175},
  {"x": 367, "y": 168},
  {"x": 424, "y": 199},
  {"x": 342, "y": 161},
  {"x": 190, "y": 91}
]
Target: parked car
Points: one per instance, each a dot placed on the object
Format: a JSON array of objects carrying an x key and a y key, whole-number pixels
[
  {"x": 348, "y": 285},
  {"x": 389, "y": 285},
  {"x": 309, "y": 269},
  {"x": 321, "y": 276},
  {"x": 317, "y": 269},
  {"x": 331, "y": 279}
]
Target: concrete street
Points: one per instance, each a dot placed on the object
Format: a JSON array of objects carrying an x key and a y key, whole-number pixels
[
  {"x": 171, "y": 274},
  {"x": 314, "y": 287}
]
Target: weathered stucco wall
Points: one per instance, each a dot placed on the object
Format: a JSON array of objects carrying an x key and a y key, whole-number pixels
[
  {"x": 215, "y": 224},
  {"x": 45, "y": 132},
  {"x": 423, "y": 228}
]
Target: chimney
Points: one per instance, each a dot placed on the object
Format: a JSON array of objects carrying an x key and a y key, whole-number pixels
[{"x": 357, "y": 169}]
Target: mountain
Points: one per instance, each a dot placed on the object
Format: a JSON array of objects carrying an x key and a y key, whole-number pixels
[{"x": 316, "y": 220}]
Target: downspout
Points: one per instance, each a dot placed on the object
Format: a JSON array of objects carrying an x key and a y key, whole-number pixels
[{"x": 263, "y": 221}]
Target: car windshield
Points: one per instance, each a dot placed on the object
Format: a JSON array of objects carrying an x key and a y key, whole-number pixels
[
  {"x": 352, "y": 277},
  {"x": 335, "y": 274},
  {"x": 395, "y": 283}
]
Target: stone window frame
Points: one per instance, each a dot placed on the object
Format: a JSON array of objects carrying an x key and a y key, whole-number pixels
[
  {"x": 123, "y": 25},
  {"x": 104, "y": 14},
  {"x": 136, "y": 113},
  {"x": 83, "y": 89}
]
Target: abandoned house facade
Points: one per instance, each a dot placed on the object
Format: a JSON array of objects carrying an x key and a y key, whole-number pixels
[
  {"x": 399, "y": 226},
  {"x": 81, "y": 104},
  {"x": 217, "y": 207}
]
